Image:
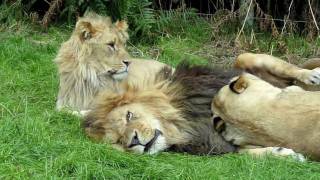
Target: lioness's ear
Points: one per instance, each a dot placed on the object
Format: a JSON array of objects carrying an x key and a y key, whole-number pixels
[
  {"x": 239, "y": 85},
  {"x": 218, "y": 124},
  {"x": 122, "y": 28},
  {"x": 85, "y": 30}
]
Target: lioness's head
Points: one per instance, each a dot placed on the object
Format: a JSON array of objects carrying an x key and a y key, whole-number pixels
[
  {"x": 242, "y": 95},
  {"x": 102, "y": 45},
  {"x": 142, "y": 122},
  {"x": 230, "y": 93},
  {"x": 244, "y": 84}
]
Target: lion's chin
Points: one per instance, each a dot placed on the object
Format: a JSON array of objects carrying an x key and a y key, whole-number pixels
[
  {"x": 120, "y": 75},
  {"x": 158, "y": 146}
]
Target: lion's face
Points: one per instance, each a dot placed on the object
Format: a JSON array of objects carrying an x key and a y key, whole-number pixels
[
  {"x": 137, "y": 129},
  {"x": 103, "y": 45},
  {"x": 135, "y": 122}
]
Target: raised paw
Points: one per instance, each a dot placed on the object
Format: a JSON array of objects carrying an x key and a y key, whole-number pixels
[{"x": 311, "y": 77}]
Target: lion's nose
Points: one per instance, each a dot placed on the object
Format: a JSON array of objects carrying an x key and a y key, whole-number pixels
[
  {"x": 135, "y": 140},
  {"x": 126, "y": 62}
]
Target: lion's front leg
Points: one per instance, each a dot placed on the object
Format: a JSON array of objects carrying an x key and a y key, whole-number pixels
[{"x": 277, "y": 67}]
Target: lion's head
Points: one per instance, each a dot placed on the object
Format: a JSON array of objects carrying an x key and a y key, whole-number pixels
[
  {"x": 91, "y": 59},
  {"x": 139, "y": 121},
  {"x": 166, "y": 115},
  {"x": 102, "y": 45}
]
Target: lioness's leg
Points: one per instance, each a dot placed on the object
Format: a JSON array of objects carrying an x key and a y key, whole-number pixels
[
  {"x": 276, "y": 151},
  {"x": 277, "y": 67}
]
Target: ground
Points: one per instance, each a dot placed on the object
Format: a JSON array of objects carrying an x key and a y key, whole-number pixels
[{"x": 38, "y": 142}]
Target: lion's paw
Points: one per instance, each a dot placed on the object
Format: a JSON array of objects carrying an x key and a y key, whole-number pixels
[
  {"x": 280, "y": 151},
  {"x": 311, "y": 77},
  {"x": 81, "y": 113}
]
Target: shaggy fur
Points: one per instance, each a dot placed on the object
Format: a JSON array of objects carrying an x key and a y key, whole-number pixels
[
  {"x": 94, "y": 59},
  {"x": 80, "y": 62},
  {"x": 179, "y": 103}
]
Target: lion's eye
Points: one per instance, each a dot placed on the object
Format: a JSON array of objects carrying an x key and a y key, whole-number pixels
[
  {"x": 129, "y": 116},
  {"x": 111, "y": 45}
]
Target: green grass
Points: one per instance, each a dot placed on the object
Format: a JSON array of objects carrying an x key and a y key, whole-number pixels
[{"x": 38, "y": 142}]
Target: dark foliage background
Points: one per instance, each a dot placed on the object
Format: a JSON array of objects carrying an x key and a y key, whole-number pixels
[{"x": 153, "y": 17}]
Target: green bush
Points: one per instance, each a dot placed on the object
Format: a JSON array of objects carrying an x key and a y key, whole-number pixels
[{"x": 145, "y": 22}]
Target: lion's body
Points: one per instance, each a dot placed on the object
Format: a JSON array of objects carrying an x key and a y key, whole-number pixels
[
  {"x": 173, "y": 112},
  {"x": 177, "y": 105},
  {"x": 94, "y": 59},
  {"x": 264, "y": 115}
]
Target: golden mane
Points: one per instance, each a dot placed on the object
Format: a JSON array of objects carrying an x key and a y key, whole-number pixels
[{"x": 181, "y": 101}]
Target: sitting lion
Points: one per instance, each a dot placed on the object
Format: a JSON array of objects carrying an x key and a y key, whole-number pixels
[
  {"x": 258, "y": 114},
  {"x": 94, "y": 59}
]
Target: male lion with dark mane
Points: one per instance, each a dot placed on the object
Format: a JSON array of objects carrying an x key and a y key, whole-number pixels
[
  {"x": 174, "y": 112},
  {"x": 94, "y": 59},
  {"x": 171, "y": 113}
]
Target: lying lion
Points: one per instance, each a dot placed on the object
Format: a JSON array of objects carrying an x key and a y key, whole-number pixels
[
  {"x": 94, "y": 59},
  {"x": 258, "y": 114},
  {"x": 173, "y": 113}
]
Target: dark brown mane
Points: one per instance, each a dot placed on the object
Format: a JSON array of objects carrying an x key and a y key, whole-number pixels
[
  {"x": 188, "y": 92},
  {"x": 200, "y": 84}
]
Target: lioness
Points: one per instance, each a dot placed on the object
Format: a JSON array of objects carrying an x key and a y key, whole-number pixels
[
  {"x": 259, "y": 115},
  {"x": 94, "y": 59}
]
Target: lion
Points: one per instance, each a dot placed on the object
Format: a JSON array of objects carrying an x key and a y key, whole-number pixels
[
  {"x": 251, "y": 112},
  {"x": 94, "y": 59},
  {"x": 260, "y": 114},
  {"x": 171, "y": 113}
]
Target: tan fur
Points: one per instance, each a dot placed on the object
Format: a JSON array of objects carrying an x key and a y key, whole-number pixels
[
  {"x": 311, "y": 64},
  {"x": 277, "y": 71},
  {"x": 162, "y": 104},
  {"x": 265, "y": 115},
  {"x": 95, "y": 58},
  {"x": 151, "y": 110}
]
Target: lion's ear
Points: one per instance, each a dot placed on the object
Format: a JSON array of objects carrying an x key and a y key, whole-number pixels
[
  {"x": 121, "y": 25},
  {"x": 90, "y": 14},
  {"x": 239, "y": 85},
  {"x": 85, "y": 30},
  {"x": 122, "y": 28}
]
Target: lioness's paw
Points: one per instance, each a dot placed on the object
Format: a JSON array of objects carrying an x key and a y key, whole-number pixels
[
  {"x": 311, "y": 77},
  {"x": 280, "y": 151}
]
